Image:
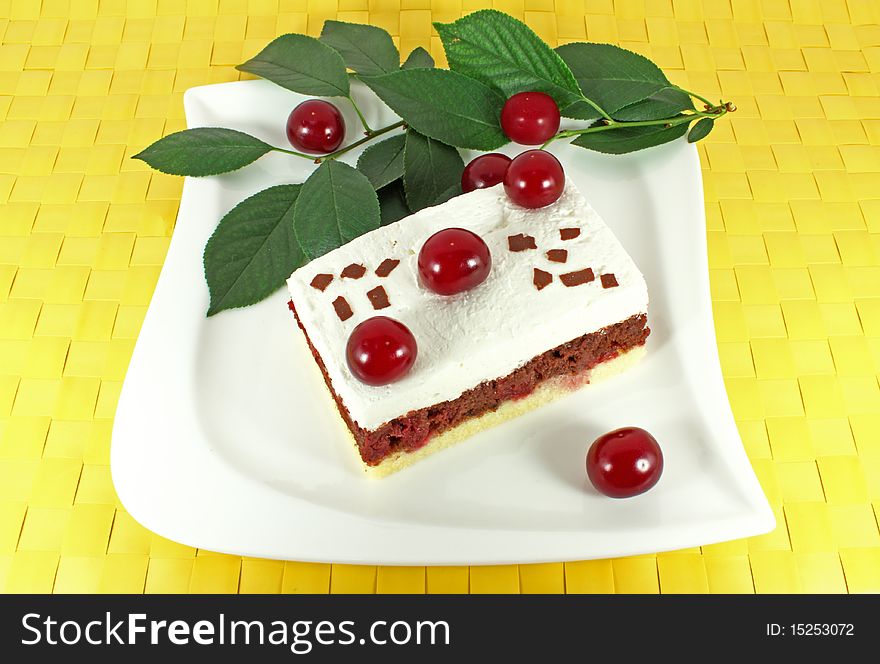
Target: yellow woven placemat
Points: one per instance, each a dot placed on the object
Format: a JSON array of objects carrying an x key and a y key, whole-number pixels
[{"x": 792, "y": 185}]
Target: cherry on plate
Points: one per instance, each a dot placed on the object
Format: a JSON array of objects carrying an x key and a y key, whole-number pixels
[
  {"x": 534, "y": 179},
  {"x": 315, "y": 126},
  {"x": 624, "y": 462},
  {"x": 454, "y": 260},
  {"x": 530, "y": 118},
  {"x": 485, "y": 171},
  {"x": 380, "y": 351}
]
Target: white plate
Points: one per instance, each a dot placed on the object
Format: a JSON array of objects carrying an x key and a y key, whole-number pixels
[{"x": 225, "y": 437}]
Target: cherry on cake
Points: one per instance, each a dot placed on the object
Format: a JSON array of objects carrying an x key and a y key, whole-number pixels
[{"x": 466, "y": 314}]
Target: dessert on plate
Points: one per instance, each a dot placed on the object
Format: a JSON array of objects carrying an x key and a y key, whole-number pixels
[{"x": 551, "y": 302}]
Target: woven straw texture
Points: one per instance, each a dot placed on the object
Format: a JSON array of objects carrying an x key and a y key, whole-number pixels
[{"x": 792, "y": 187}]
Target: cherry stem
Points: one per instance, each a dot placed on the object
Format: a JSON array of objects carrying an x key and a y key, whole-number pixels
[
  {"x": 321, "y": 158},
  {"x": 294, "y": 153},
  {"x": 696, "y": 96},
  {"x": 598, "y": 108},
  {"x": 361, "y": 116}
]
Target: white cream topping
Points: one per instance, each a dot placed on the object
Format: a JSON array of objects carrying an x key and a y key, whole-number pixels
[{"x": 482, "y": 334}]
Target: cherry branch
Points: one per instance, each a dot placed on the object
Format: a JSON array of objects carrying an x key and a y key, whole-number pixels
[
  {"x": 341, "y": 151},
  {"x": 609, "y": 124}
]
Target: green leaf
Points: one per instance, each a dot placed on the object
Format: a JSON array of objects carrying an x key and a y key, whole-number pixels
[
  {"x": 366, "y": 49},
  {"x": 667, "y": 103},
  {"x": 611, "y": 76},
  {"x": 392, "y": 203},
  {"x": 444, "y": 105},
  {"x": 700, "y": 129},
  {"x": 302, "y": 64},
  {"x": 382, "y": 162},
  {"x": 432, "y": 171},
  {"x": 507, "y": 55},
  {"x": 253, "y": 250},
  {"x": 418, "y": 59},
  {"x": 203, "y": 151},
  {"x": 336, "y": 205},
  {"x": 629, "y": 139}
]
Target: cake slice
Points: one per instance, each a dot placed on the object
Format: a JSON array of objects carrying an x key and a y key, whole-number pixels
[{"x": 562, "y": 305}]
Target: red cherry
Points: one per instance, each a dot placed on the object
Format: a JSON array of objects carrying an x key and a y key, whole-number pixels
[
  {"x": 485, "y": 171},
  {"x": 530, "y": 118},
  {"x": 534, "y": 179},
  {"x": 380, "y": 350},
  {"x": 454, "y": 260},
  {"x": 624, "y": 462},
  {"x": 315, "y": 126}
]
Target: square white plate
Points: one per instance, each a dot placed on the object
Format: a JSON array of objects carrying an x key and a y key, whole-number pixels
[{"x": 225, "y": 437}]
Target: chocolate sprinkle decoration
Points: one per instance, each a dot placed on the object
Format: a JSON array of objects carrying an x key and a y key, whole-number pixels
[
  {"x": 354, "y": 271},
  {"x": 343, "y": 310},
  {"x": 541, "y": 279},
  {"x": 386, "y": 266},
  {"x": 609, "y": 280},
  {"x": 378, "y": 298},
  {"x": 557, "y": 255},
  {"x": 569, "y": 233},
  {"x": 521, "y": 242},
  {"x": 321, "y": 281},
  {"x": 577, "y": 278}
]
